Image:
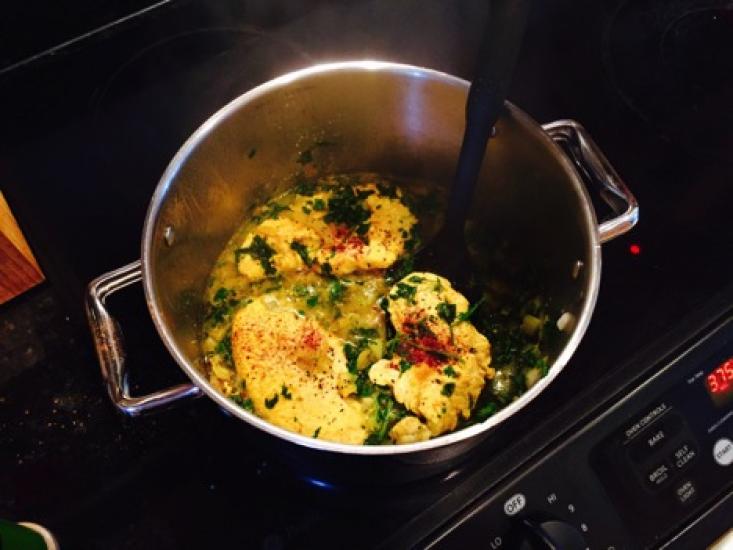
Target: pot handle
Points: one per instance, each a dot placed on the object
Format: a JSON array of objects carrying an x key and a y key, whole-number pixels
[
  {"x": 108, "y": 341},
  {"x": 593, "y": 165}
]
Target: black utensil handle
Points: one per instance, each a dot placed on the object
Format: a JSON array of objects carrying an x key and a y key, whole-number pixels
[{"x": 497, "y": 56}]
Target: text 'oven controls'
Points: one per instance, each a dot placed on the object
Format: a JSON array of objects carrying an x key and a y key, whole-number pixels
[{"x": 723, "y": 451}]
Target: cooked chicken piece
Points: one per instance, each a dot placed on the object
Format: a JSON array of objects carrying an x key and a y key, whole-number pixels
[
  {"x": 299, "y": 238},
  {"x": 296, "y": 373},
  {"x": 271, "y": 244},
  {"x": 409, "y": 430},
  {"x": 442, "y": 361}
]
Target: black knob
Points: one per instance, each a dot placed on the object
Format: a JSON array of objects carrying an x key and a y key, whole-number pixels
[{"x": 550, "y": 535}]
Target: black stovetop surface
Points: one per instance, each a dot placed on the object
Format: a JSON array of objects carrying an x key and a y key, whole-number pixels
[{"x": 86, "y": 133}]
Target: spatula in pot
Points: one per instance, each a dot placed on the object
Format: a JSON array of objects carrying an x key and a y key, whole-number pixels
[{"x": 447, "y": 254}]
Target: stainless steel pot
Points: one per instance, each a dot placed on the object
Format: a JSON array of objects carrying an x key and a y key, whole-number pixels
[{"x": 394, "y": 119}]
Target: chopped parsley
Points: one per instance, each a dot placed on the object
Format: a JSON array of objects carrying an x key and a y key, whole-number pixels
[
  {"x": 448, "y": 389},
  {"x": 485, "y": 412},
  {"x": 260, "y": 251},
  {"x": 405, "y": 365},
  {"x": 352, "y": 352},
  {"x": 404, "y": 291},
  {"x": 388, "y": 413},
  {"x": 270, "y": 403},
  {"x": 318, "y": 431},
  {"x": 305, "y": 188},
  {"x": 450, "y": 371},
  {"x": 224, "y": 349},
  {"x": 319, "y": 205},
  {"x": 312, "y": 301},
  {"x": 364, "y": 386},
  {"x": 224, "y": 302},
  {"x": 466, "y": 315},
  {"x": 391, "y": 346},
  {"x": 302, "y": 251},
  {"x": 447, "y": 312},
  {"x": 416, "y": 279},
  {"x": 346, "y": 206},
  {"x": 245, "y": 403},
  {"x": 336, "y": 291},
  {"x": 270, "y": 212},
  {"x": 326, "y": 269},
  {"x": 221, "y": 294},
  {"x": 285, "y": 392}
]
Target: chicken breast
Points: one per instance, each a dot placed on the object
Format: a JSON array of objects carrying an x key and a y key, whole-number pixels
[
  {"x": 442, "y": 361},
  {"x": 316, "y": 233},
  {"x": 296, "y": 373}
]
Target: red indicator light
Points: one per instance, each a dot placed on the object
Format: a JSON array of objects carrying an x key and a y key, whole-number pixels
[
  {"x": 721, "y": 379},
  {"x": 635, "y": 249}
]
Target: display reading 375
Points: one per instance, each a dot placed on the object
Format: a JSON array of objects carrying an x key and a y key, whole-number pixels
[{"x": 719, "y": 382}]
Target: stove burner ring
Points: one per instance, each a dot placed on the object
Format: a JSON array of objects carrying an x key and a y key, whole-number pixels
[{"x": 672, "y": 63}]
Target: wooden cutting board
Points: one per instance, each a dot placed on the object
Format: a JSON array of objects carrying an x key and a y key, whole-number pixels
[{"x": 19, "y": 270}]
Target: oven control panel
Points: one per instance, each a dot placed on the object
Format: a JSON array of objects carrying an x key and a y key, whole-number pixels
[{"x": 632, "y": 477}]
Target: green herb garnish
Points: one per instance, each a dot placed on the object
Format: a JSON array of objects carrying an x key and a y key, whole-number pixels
[
  {"x": 466, "y": 315},
  {"x": 336, "y": 291},
  {"x": 346, "y": 206},
  {"x": 485, "y": 412},
  {"x": 405, "y": 365},
  {"x": 319, "y": 205},
  {"x": 270, "y": 403},
  {"x": 260, "y": 251},
  {"x": 450, "y": 371},
  {"x": 285, "y": 392},
  {"x": 404, "y": 291},
  {"x": 388, "y": 413},
  {"x": 447, "y": 312},
  {"x": 305, "y": 187},
  {"x": 364, "y": 386},
  {"x": 326, "y": 269},
  {"x": 245, "y": 403},
  {"x": 318, "y": 431},
  {"x": 448, "y": 389},
  {"x": 312, "y": 301},
  {"x": 302, "y": 251},
  {"x": 271, "y": 212},
  {"x": 221, "y": 294},
  {"x": 224, "y": 349}
]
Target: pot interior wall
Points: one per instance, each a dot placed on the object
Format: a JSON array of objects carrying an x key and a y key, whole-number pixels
[{"x": 400, "y": 122}]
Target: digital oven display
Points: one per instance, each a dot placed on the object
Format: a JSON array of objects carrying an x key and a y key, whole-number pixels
[{"x": 719, "y": 382}]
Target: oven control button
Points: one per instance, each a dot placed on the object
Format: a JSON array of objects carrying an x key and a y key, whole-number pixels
[
  {"x": 723, "y": 451},
  {"x": 551, "y": 534},
  {"x": 655, "y": 436},
  {"x": 685, "y": 491},
  {"x": 683, "y": 455},
  {"x": 657, "y": 475}
]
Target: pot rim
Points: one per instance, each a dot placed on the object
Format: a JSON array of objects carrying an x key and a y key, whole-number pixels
[{"x": 158, "y": 198}]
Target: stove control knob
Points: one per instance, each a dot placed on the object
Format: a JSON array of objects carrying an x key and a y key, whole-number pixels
[{"x": 550, "y": 535}]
